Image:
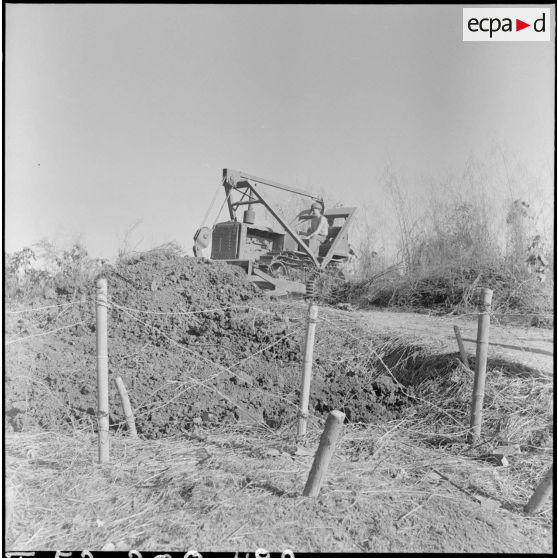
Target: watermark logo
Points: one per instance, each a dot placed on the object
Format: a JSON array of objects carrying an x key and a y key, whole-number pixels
[{"x": 506, "y": 24}]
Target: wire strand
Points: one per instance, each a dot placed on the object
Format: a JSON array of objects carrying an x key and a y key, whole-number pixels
[
  {"x": 211, "y": 204},
  {"x": 401, "y": 386},
  {"x": 221, "y": 208},
  {"x": 44, "y": 333},
  {"x": 222, "y": 368},
  {"x": 210, "y": 310},
  {"x": 45, "y": 307}
]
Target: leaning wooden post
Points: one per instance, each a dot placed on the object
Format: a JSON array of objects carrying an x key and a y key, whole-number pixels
[
  {"x": 463, "y": 352},
  {"x": 128, "y": 413},
  {"x": 328, "y": 440},
  {"x": 102, "y": 370},
  {"x": 542, "y": 492},
  {"x": 480, "y": 365},
  {"x": 307, "y": 370}
]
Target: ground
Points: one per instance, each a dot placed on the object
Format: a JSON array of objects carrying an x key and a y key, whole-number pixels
[
  {"x": 217, "y": 491},
  {"x": 212, "y": 367},
  {"x": 532, "y": 347}
]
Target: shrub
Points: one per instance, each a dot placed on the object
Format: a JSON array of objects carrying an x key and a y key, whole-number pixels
[
  {"x": 459, "y": 236},
  {"x": 64, "y": 272}
]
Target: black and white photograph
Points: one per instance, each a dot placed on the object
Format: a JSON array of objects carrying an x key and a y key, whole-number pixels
[{"x": 279, "y": 278}]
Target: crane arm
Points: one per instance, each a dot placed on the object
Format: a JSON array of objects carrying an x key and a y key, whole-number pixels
[{"x": 233, "y": 176}]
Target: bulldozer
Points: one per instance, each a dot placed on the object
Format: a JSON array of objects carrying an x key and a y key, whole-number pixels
[{"x": 277, "y": 258}]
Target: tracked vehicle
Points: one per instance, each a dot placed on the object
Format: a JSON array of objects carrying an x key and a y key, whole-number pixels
[{"x": 276, "y": 258}]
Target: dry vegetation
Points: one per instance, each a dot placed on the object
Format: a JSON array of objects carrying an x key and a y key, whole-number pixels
[
  {"x": 221, "y": 486},
  {"x": 459, "y": 233},
  {"x": 240, "y": 487}
]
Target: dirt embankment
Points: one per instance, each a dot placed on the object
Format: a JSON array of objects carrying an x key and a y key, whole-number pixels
[{"x": 175, "y": 326}]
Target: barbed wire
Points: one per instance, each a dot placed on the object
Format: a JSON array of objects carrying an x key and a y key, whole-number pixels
[
  {"x": 282, "y": 398},
  {"x": 399, "y": 384},
  {"x": 39, "y": 308},
  {"x": 205, "y": 359},
  {"x": 10, "y": 342},
  {"x": 222, "y": 368},
  {"x": 530, "y": 353},
  {"x": 256, "y": 420},
  {"x": 187, "y": 313},
  {"x": 209, "y": 310},
  {"x": 228, "y": 369},
  {"x": 148, "y": 410},
  {"x": 525, "y": 351},
  {"x": 356, "y": 313}
]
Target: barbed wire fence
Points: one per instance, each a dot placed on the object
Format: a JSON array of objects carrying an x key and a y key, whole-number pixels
[
  {"x": 146, "y": 408},
  {"x": 336, "y": 321},
  {"x": 529, "y": 354},
  {"x": 222, "y": 369}
]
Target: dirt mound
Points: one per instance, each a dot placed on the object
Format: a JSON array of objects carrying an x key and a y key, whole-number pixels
[
  {"x": 161, "y": 279},
  {"x": 176, "y": 327}
]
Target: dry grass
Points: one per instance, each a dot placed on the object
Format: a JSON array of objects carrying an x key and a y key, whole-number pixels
[
  {"x": 455, "y": 233},
  {"x": 451, "y": 289},
  {"x": 518, "y": 404},
  {"x": 224, "y": 489},
  {"x": 517, "y": 409},
  {"x": 221, "y": 488}
]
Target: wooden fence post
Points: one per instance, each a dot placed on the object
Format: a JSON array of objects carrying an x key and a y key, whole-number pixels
[
  {"x": 542, "y": 492},
  {"x": 128, "y": 413},
  {"x": 102, "y": 370},
  {"x": 480, "y": 365},
  {"x": 328, "y": 440},
  {"x": 462, "y": 351},
  {"x": 307, "y": 369}
]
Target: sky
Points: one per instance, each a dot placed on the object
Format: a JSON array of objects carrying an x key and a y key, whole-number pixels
[{"x": 120, "y": 118}]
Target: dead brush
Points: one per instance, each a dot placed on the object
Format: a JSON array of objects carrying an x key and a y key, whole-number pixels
[
  {"x": 236, "y": 486},
  {"x": 451, "y": 288},
  {"x": 517, "y": 409},
  {"x": 145, "y": 484},
  {"x": 197, "y": 491},
  {"x": 518, "y": 405}
]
